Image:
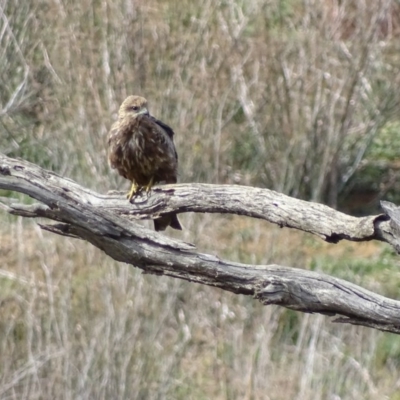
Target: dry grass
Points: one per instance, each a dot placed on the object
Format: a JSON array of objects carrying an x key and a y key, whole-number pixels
[
  {"x": 282, "y": 94},
  {"x": 76, "y": 325}
]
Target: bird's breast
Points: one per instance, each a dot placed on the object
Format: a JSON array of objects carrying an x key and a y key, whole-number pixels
[{"x": 140, "y": 153}]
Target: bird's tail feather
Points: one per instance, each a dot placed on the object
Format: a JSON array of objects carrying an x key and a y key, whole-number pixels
[{"x": 171, "y": 220}]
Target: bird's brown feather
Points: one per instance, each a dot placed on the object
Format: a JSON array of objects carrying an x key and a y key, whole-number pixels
[{"x": 142, "y": 150}]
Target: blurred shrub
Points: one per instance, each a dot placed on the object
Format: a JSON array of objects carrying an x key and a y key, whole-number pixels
[{"x": 279, "y": 94}]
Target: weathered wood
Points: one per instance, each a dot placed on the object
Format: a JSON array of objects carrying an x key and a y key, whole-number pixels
[{"x": 107, "y": 221}]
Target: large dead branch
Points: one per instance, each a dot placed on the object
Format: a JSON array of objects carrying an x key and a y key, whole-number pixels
[{"x": 108, "y": 223}]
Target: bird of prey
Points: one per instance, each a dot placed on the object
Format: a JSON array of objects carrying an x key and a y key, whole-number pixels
[{"x": 142, "y": 150}]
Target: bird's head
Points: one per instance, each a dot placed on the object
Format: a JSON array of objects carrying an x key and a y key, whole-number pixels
[{"x": 132, "y": 107}]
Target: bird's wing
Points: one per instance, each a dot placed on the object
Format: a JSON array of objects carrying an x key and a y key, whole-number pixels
[
  {"x": 164, "y": 126},
  {"x": 158, "y": 129},
  {"x": 112, "y": 133},
  {"x": 112, "y": 142}
]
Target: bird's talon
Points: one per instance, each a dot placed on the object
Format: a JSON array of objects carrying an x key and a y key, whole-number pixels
[
  {"x": 149, "y": 186},
  {"x": 135, "y": 189}
]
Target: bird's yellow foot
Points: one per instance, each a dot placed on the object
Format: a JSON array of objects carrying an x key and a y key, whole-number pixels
[
  {"x": 134, "y": 190},
  {"x": 149, "y": 185}
]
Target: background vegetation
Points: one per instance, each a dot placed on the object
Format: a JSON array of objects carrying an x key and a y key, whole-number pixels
[{"x": 299, "y": 96}]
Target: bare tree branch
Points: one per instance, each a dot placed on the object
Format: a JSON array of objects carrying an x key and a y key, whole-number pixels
[{"x": 108, "y": 223}]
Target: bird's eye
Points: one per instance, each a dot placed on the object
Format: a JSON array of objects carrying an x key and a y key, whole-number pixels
[{"x": 134, "y": 108}]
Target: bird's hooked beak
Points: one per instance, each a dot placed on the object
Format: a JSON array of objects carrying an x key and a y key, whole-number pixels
[{"x": 144, "y": 111}]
